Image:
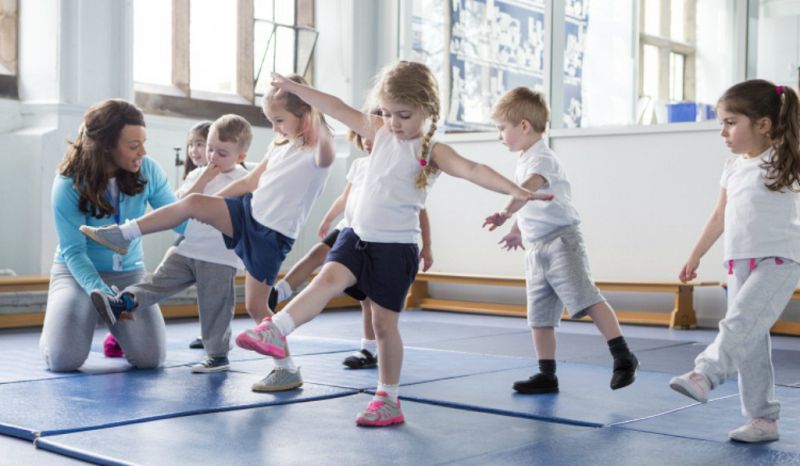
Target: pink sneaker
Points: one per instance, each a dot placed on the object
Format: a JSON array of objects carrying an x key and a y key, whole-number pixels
[
  {"x": 692, "y": 384},
  {"x": 264, "y": 339},
  {"x": 111, "y": 348},
  {"x": 757, "y": 429},
  {"x": 381, "y": 412}
]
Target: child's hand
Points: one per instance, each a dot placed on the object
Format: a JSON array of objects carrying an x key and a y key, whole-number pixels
[
  {"x": 210, "y": 171},
  {"x": 511, "y": 241},
  {"x": 426, "y": 256},
  {"x": 280, "y": 81},
  {"x": 495, "y": 220},
  {"x": 324, "y": 228},
  {"x": 689, "y": 270}
]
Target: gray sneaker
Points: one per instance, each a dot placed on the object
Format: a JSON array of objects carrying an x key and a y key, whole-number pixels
[
  {"x": 278, "y": 380},
  {"x": 218, "y": 364},
  {"x": 109, "y": 236}
]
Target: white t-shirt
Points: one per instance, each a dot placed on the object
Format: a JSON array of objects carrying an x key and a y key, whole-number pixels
[
  {"x": 288, "y": 188},
  {"x": 389, "y": 202},
  {"x": 758, "y": 222},
  {"x": 355, "y": 176},
  {"x": 204, "y": 242},
  {"x": 538, "y": 219}
]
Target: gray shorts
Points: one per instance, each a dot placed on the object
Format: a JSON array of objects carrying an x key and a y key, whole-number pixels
[{"x": 557, "y": 276}]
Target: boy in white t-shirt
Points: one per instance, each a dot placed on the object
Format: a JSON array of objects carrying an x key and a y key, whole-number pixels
[
  {"x": 202, "y": 258},
  {"x": 556, "y": 265}
]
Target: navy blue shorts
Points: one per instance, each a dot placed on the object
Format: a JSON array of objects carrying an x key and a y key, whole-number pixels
[
  {"x": 353, "y": 291},
  {"x": 384, "y": 271},
  {"x": 262, "y": 249}
]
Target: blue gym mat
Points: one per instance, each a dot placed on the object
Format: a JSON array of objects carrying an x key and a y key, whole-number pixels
[
  {"x": 419, "y": 365},
  {"x": 48, "y": 407},
  {"x": 571, "y": 346},
  {"x": 25, "y": 365},
  {"x": 14, "y": 451},
  {"x": 613, "y": 446},
  {"x": 178, "y": 353},
  {"x": 415, "y": 332},
  {"x": 715, "y": 419},
  {"x": 680, "y": 359},
  {"x": 585, "y": 397},
  {"x": 319, "y": 432}
]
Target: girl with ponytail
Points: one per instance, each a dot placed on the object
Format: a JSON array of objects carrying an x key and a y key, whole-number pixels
[{"x": 758, "y": 212}]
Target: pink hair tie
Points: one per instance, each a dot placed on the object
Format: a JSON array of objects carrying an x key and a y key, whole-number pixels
[
  {"x": 423, "y": 162},
  {"x": 779, "y": 89}
]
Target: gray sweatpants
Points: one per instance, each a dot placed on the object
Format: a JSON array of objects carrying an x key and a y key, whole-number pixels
[
  {"x": 216, "y": 296},
  {"x": 756, "y": 299},
  {"x": 70, "y": 320}
]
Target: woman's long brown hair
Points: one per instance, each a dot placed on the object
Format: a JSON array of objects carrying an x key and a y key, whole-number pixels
[{"x": 89, "y": 162}]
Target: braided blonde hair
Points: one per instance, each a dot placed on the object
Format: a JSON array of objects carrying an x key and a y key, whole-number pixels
[{"x": 413, "y": 83}]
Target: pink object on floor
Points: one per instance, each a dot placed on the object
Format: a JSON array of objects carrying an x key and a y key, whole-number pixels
[{"x": 111, "y": 348}]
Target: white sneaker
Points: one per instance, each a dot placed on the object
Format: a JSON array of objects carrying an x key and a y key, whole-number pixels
[
  {"x": 692, "y": 384},
  {"x": 756, "y": 430}
]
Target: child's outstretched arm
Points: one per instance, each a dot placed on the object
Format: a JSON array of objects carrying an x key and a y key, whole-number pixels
[
  {"x": 333, "y": 211},
  {"x": 711, "y": 233},
  {"x": 426, "y": 253},
  {"x": 359, "y": 122},
  {"x": 245, "y": 184},
  {"x": 448, "y": 160},
  {"x": 532, "y": 184}
]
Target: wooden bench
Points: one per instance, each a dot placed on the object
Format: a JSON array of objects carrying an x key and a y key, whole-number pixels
[
  {"x": 681, "y": 316},
  {"x": 40, "y": 284}
]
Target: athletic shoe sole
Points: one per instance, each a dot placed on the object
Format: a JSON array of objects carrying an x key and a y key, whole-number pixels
[
  {"x": 684, "y": 388},
  {"x": 201, "y": 369},
  {"x": 88, "y": 231},
  {"x": 276, "y": 388},
  {"x": 102, "y": 308}
]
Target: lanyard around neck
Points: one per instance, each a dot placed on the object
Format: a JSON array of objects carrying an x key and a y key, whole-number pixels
[{"x": 115, "y": 203}]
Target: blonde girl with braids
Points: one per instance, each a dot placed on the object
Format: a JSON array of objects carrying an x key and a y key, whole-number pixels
[
  {"x": 758, "y": 212},
  {"x": 259, "y": 215},
  {"x": 378, "y": 253}
]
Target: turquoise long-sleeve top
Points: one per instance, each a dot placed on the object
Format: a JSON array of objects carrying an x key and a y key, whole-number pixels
[{"x": 86, "y": 258}]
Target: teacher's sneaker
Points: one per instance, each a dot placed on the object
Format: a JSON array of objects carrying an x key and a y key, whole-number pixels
[{"x": 109, "y": 236}]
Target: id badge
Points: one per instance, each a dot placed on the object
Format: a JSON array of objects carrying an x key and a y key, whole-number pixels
[{"x": 117, "y": 263}]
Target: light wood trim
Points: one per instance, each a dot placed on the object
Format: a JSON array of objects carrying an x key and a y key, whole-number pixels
[
  {"x": 786, "y": 328},
  {"x": 181, "y": 62},
  {"x": 9, "y": 15},
  {"x": 245, "y": 85}
]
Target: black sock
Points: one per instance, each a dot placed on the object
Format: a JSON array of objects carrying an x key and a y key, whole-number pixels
[
  {"x": 618, "y": 347},
  {"x": 547, "y": 366}
]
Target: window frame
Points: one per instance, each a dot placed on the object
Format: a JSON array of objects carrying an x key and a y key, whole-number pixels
[
  {"x": 178, "y": 99},
  {"x": 9, "y": 32},
  {"x": 667, "y": 46}
]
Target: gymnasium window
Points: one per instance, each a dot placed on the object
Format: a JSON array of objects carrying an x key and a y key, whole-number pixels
[
  {"x": 202, "y": 58},
  {"x": 9, "y": 20}
]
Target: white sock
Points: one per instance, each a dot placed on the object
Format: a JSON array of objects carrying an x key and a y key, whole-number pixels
[
  {"x": 284, "y": 322},
  {"x": 370, "y": 345},
  {"x": 284, "y": 290},
  {"x": 130, "y": 230},
  {"x": 286, "y": 363},
  {"x": 392, "y": 390}
]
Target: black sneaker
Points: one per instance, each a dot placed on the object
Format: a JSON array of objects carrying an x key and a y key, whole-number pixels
[
  {"x": 210, "y": 364},
  {"x": 273, "y": 299},
  {"x": 111, "y": 307},
  {"x": 625, "y": 369},
  {"x": 364, "y": 359},
  {"x": 197, "y": 343},
  {"x": 537, "y": 384}
]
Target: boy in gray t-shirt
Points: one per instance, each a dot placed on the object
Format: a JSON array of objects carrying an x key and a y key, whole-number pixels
[{"x": 556, "y": 265}]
